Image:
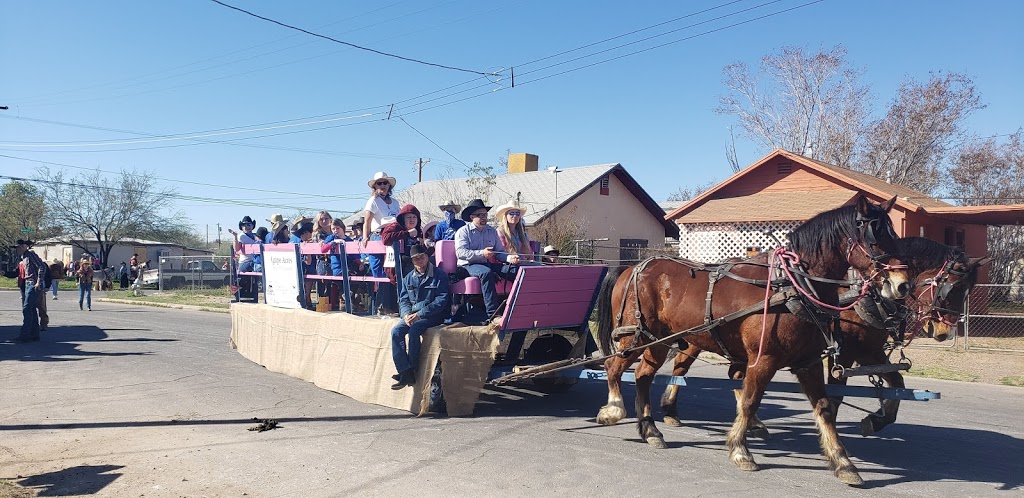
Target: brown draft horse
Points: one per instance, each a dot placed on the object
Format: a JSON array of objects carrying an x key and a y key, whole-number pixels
[
  {"x": 944, "y": 276},
  {"x": 666, "y": 296}
]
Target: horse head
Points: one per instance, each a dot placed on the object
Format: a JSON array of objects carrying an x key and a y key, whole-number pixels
[
  {"x": 943, "y": 294},
  {"x": 860, "y": 236}
]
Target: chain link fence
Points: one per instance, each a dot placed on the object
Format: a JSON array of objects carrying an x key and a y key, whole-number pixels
[{"x": 995, "y": 318}]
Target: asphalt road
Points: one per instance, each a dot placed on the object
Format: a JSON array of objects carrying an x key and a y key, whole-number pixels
[{"x": 137, "y": 401}]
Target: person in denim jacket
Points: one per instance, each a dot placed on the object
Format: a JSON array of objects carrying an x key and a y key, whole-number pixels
[{"x": 423, "y": 303}]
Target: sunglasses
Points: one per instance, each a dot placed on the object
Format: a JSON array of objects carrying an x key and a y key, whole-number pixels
[
  {"x": 479, "y": 215},
  {"x": 383, "y": 183},
  {"x": 513, "y": 213}
]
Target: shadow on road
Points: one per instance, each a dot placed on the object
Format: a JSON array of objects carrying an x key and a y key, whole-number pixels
[
  {"x": 61, "y": 344},
  {"x": 73, "y": 481},
  {"x": 184, "y": 423}
]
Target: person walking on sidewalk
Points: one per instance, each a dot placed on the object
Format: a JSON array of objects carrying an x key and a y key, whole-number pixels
[
  {"x": 85, "y": 277},
  {"x": 423, "y": 303},
  {"x": 35, "y": 276}
]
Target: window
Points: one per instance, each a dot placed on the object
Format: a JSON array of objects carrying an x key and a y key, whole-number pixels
[
  {"x": 604, "y": 186},
  {"x": 630, "y": 250},
  {"x": 209, "y": 266}
]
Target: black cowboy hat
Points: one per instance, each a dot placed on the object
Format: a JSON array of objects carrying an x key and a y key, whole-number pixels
[
  {"x": 261, "y": 232},
  {"x": 29, "y": 243},
  {"x": 471, "y": 207},
  {"x": 246, "y": 221}
]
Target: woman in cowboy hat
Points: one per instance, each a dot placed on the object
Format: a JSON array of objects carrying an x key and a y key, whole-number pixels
[
  {"x": 275, "y": 220},
  {"x": 381, "y": 209},
  {"x": 245, "y": 261},
  {"x": 512, "y": 233},
  {"x": 446, "y": 228}
]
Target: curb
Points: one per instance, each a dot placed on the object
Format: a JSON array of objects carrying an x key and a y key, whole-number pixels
[{"x": 164, "y": 305}]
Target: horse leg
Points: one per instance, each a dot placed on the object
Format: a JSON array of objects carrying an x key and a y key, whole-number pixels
[
  {"x": 747, "y": 404},
  {"x": 683, "y": 361},
  {"x": 615, "y": 410},
  {"x": 875, "y": 422},
  {"x": 757, "y": 428},
  {"x": 652, "y": 359},
  {"x": 825, "y": 419}
]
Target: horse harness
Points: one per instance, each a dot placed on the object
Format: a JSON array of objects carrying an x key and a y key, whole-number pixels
[{"x": 785, "y": 294}]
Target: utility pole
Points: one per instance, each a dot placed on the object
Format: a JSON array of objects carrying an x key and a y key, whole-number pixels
[
  {"x": 207, "y": 235},
  {"x": 420, "y": 163},
  {"x": 218, "y": 234}
]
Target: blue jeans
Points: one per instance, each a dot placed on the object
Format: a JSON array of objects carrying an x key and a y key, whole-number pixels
[
  {"x": 408, "y": 361},
  {"x": 53, "y": 286},
  {"x": 387, "y": 294},
  {"x": 30, "y": 312},
  {"x": 85, "y": 292},
  {"x": 247, "y": 265},
  {"x": 488, "y": 275}
]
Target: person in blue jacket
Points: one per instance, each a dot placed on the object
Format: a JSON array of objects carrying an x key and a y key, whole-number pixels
[
  {"x": 423, "y": 303},
  {"x": 446, "y": 228}
]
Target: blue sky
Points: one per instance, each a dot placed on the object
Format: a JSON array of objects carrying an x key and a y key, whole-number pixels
[{"x": 192, "y": 66}]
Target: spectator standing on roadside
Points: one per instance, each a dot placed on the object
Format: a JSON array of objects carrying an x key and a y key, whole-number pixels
[
  {"x": 35, "y": 272},
  {"x": 56, "y": 275},
  {"x": 122, "y": 275},
  {"x": 85, "y": 277}
]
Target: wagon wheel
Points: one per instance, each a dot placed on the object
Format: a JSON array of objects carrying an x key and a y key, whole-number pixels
[{"x": 546, "y": 349}]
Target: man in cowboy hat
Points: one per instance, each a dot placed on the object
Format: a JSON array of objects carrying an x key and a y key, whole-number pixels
[
  {"x": 299, "y": 221},
  {"x": 423, "y": 303},
  {"x": 246, "y": 262},
  {"x": 446, "y": 228},
  {"x": 34, "y": 276},
  {"x": 56, "y": 275},
  {"x": 480, "y": 252}
]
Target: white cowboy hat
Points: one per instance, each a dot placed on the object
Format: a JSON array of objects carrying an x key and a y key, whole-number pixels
[
  {"x": 380, "y": 175},
  {"x": 452, "y": 204},
  {"x": 549, "y": 248},
  {"x": 499, "y": 212}
]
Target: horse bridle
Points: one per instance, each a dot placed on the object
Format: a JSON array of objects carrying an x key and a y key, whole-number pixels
[
  {"x": 867, "y": 227},
  {"x": 939, "y": 287}
]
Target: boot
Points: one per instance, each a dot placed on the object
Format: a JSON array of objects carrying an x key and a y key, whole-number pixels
[{"x": 406, "y": 378}]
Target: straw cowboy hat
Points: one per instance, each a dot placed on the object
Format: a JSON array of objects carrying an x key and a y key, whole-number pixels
[
  {"x": 246, "y": 221},
  {"x": 275, "y": 218},
  {"x": 471, "y": 207},
  {"x": 380, "y": 175},
  {"x": 299, "y": 221},
  {"x": 499, "y": 213},
  {"x": 450, "y": 204}
]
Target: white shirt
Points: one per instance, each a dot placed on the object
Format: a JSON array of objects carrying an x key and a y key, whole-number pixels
[
  {"x": 383, "y": 213},
  {"x": 245, "y": 238}
]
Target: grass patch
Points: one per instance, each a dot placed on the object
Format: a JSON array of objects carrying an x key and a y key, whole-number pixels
[
  {"x": 941, "y": 373},
  {"x": 210, "y": 298},
  {"x": 1013, "y": 380},
  {"x": 12, "y": 283}
]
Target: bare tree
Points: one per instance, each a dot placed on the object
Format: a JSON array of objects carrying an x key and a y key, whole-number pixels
[
  {"x": 909, "y": 145},
  {"x": 687, "y": 193},
  {"x": 990, "y": 173},
  {"x": 811, "y": 104},
  {"x": 91, "y": 208}
]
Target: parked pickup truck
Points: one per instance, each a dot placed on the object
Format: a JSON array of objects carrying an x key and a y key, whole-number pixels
[{"x": 195, "y": 273}]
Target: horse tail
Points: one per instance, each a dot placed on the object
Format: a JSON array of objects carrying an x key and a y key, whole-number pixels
[{"x": 604, "y": 308}]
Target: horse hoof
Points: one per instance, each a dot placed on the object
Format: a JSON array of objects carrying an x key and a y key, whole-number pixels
[
  {"x": 760, "y": 433},
  {"x": 867, "y": 428},
  {"x": 849, "y": 477},
  {"x": 672, "y": 421},
  {"x": 610, "y": 415},
  {"x": 747, "y": 465},
  {"x": 657, "y": 442}
]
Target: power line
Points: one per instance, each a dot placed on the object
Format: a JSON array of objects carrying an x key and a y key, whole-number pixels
[
  {"x": 335, "y": 40},
  {"x": 199, "y": 183}
]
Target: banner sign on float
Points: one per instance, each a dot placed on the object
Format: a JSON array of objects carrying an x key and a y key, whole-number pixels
[{"x": 282, "y": 278}]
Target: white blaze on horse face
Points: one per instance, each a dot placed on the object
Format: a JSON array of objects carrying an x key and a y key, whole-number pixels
[{"x": 896, "y": 285}]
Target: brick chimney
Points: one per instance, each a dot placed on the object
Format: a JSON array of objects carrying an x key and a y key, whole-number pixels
[{"x": 521, "y": 162}]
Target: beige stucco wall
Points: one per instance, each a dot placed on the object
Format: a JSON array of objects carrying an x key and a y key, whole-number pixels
[{"x": 618, "y": 215}]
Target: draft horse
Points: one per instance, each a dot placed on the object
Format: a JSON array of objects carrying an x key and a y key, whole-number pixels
[
  {"x": 661, "y": 297},
  {"x": 875, "y": 327}
]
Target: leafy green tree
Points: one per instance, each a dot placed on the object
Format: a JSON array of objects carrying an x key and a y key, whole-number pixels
[{"x": 22, "y": 212}]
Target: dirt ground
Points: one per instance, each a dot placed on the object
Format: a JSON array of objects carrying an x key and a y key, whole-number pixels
[{"x": 990, "y": 367}]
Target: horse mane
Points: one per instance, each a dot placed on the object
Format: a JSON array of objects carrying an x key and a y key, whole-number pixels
[
  {"x": 824, "y": 231},
  {"x": 926, "y": 253}
]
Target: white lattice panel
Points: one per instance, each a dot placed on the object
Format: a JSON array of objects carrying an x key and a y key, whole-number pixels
[{"x": 711, "y": 242}]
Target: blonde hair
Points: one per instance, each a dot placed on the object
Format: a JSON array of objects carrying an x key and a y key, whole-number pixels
[
  {"x": 317, "y": 234},
  {"x": 507, "y": 232}
]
